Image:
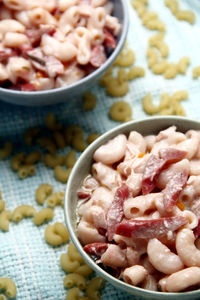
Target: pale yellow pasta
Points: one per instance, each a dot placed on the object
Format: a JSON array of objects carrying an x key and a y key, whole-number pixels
[
  {"x": 89, "y": 101},
  {"x": 23, "y": 211},
  {"x": 30, "y": 134},
  {"x": 196, "y": 72},
  {"x": 167, "y": 111},
  {"x": 74, "y": 279},
  {"x": 156, "y": 25},
  {"x": 62, "y": 174},
  {"x": 171, "y": 71},
  {"x": 152, "y": 56},
  {"x": 5, "y": 217},
  {"x": 73, "y": 294},
  {"x": 122, "y": 75},
  {"x": 55, "y": 199},
  {"x": 33, "y": 157},
  {"x": 183, "y": 64},
  {"x": 126, "y": 60},
  {"x": 17, "y": 160},
  {"x": 120, "y": 111},
  {"x": 185, "y": 15},
  {"x": 52, "y": 161},
  {"x": 78, "y": 143},
  {"x": 180, "y": 95},
  {"x": 165, "y": 101},
  {"x": 73, "y": 253},
  {"x": 3, "y": 297},
  {"x": 153, "y": 40},
  {"x": 92, "y": 290},
  {"x": 160, "y": 67},
  {"x": 84, "y": 270},
  {"x": 56, "y": 234},
  {"x": 141, "y": 10},
  {"x": 135, "y": 72},
  {"x": 148, "y": 106},
  {"x": 148, "y": 16},
  {"x": 51, "y": 122},
  {"x": 26, "y": 170},
  {"x": 2, "y": 205},
  {"x": 67, "y": 264},
  {"x": 43, "y": 215},
  {"x": 172, "y": 5},
  {"x": 9, "y": 286},
  {"x": 70, "y": 159},
  {"x": 48, "y": 144},
  {"x": 42, "y": 192},
  {"x": 115, "y": 89},
  {"x": 71, "y": 131},
  {"x": 178, "y": 109},
  {"x": 6, "y": 150},
  {"x": 59, "y": 139},
  {"x": 92, "y": 137},
  {"x": 162, "y": 48}
]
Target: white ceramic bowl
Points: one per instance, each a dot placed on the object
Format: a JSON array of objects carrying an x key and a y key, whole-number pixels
[
  {"x": 57, "y": 95},
  {"x": 147, "y": 126}
]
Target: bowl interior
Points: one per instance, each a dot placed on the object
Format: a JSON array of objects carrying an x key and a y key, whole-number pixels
[
  {"x": 82, "y": 168},
  {"x": 63, "y": 94}
]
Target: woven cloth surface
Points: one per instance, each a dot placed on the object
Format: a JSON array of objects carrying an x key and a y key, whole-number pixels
[{"x": 24, "y": 255}]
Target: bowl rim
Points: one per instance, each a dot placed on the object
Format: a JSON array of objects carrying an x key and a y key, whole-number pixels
[
  {"x": 83, "y": 81},
  {"x": 137, "y": 291}
]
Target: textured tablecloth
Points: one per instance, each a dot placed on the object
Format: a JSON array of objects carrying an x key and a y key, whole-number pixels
[{"x": 24, "y": 255}]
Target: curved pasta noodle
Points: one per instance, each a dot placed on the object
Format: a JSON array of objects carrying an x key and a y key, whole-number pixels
[
  {"x": 23, "y": 211},
  {"x": 67, "y": 264},
  {"x": 6, "y": 150},
  {"x": 42, "y": 192},
  {"x": 62, "y": 174},
  {"x": 9, "y": 286},
  {"x": 74, "y": 279},
  {"x": 92, "y": 290},
  {"x": 56, "y": 234},
  {"x": 5, "y": 217},
  {"x": 55, "y": 199},
  {"x": 42, "y": 216},
  {"x": 120, "y": 111}
]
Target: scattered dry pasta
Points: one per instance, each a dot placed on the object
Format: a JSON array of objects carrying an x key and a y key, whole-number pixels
[
  {"x": 169, "y": 105},
  {"x": 48, "y": 144},
  {"x": 30, "y": 135},
  {"x": 17, "y": 160},
  {"x": 89, "y": 101},
  {"x": 92, "y": 137},
  {"x": 183, "y": 15},
  {"x": 42, "y": 192},
  {"x": 74, "y": 279},
  {"x": 171, "y": 71},
  {"x": 78, "y": 143},
  {"x": 135, "y": 72},
  {"x": 56, "y": 234},
  {"x": 62, "y": 174},
  {"x": 70, "y": 159},
  {"x": 72, "y": 131},
  {"x": 33, "y": 157},
  {"x": 59, "y": 139},
  {"x": 9, "y": 286},
  {"x": 43, "y": 216},
  {"x": 26, "y": 170},
  {"x": 67, "y": 264},
  {"x": 196, "y": 72},
  {"x": 55, "y": 199},
  {"x": 6, "y": 150},
  {"x": 183, "y": 64},
  {"x": 114, "y": 89},
  {"x": 5, "y": 217},
  {"x": 93, "y": 287},
  {"x": 74, "y": 254},
  {"x": 53, "y": 160},
  {"x": 51, "y": 122},
  {"x": 120, "y": 111},
  {"x": 23, "y": 211}
]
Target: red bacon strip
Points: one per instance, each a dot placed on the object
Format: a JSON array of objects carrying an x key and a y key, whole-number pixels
[
  {"x": 96, "y": 249},
  {"x": 109, "y": 40},
  {"x": 82, "y": 194},
  {"x": 115, "y": 212},
  {"x": 98, "y": 56},
  {"x": 148, "y": 229},
  {"x": 173, "y": 189},
  {"x": 156, "y": 164},
  {"x": 6, "y": 53}
]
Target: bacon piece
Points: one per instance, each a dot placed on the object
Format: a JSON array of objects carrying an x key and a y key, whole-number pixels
[
  {"x": 53, "y": 66},
  {"x": 171, "y": 155},
  {"x": 156, "y": 164},
  {"x": 148, "y": 229},
  {"x": 109, "y": 40},
  {"x": 6, "y": 53},
  {"x": 35, "y": 35},
  {"x": 115, "y": 211},
  {"x": 173, "y": 189},
  {"x": 27, "y": 87},
  {"x": 83, "y": 194},
  {"x": 197, "y": 230},
  {"x": 98, "y": 56},
  {"x": 96, "y": 249},
  {"x": 152, "y": 170}
]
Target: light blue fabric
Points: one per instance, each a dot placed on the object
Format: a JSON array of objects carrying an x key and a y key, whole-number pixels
[{"x": 24, "y": 255}]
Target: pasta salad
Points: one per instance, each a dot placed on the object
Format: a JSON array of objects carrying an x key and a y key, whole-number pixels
[
  {"x": 138, "y": 210},
  {"x": 46, "y": 44}
]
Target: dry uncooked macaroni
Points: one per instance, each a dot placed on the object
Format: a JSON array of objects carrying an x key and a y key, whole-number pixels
[
  {"x": 6, "y": 150},
  {"x": 55, "y": 199},
  {"x": 89, "y": 101},
  {"x": 5, "y": 217},
  {"x": 196, "y": 72},
  {"x": 42, "y": 192},
  {"x": 70, "y": 159},
  {"x": 183, "y": 15},
  {"x": 9, "y": 286},
  {"x": 53, "y": 160},
  {"x": 93, "y": 288},
  {"x": 56, "y": 234},
  {"x": 43, "y": 215},
  {"x": 120, "y": 111},
  {"x": 62, "y": 174},
  {"x": 23, "y": 211}
]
